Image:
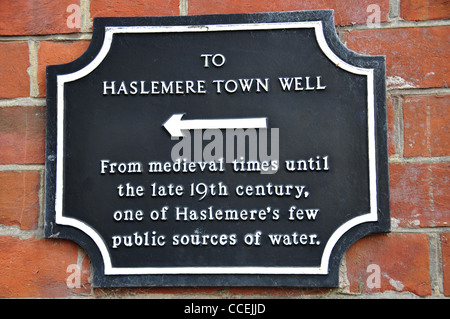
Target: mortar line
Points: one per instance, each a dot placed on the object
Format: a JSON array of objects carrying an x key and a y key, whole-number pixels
[
  {"x": 41, "y": 194},
  {"x": 21, "y": 167},
  {"x": 394, "y": 10},
  {"x": 33, "y": 69},
  {"x": 86, "y": 23},
  {"x": 184, "y": 7},
  {"x": 15, "y": 231},
  {"x": 436, "y": 274},
  {"x": 399, "y": 127},
  {"x": 420, "y": 230},
  {"x": 48, "y": 37},
  {"x": 417, "y": 91},
  {"x": 23, "y": 101},
  {"x": 418, "y": 160}
]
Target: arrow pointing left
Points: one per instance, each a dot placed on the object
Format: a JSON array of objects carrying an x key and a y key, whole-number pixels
[{"x": 174, "y": 125}]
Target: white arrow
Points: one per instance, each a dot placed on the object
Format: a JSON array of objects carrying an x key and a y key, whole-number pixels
[{"x": 174, "y": 124}]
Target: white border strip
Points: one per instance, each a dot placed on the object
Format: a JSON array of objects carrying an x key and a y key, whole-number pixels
[{"x": 109, "y": 268}]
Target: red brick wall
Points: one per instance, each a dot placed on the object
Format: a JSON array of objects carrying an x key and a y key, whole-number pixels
[{"x": 412, "y": 260}]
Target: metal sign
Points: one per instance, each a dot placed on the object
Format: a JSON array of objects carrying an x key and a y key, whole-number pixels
[{"x": 226, "y": 150}]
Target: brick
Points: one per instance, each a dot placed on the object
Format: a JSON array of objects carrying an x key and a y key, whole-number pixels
[
  {"x": 419, "y": 194},
  {"x": 415, "y": 57},
  {"x": 440, "y": 176},
  {"x": 30, "y": 17},
  {"x": 399, "y": 261},
  {"x": 22, "y": 135},
  {"x": 416, "y": 10},
  {"x": 439, "y": 125},
  {"x": 37, "y": 268},
  {"x": 426, "y": 130},
  {"x": 126, "y": 8},
  {"x": 346, "y": 12},
  {"x": 415, "y": 128},
  {"x": 14, "y": 62},
  {"x": 50, "y": 53},
  {"x": 19, "y": 199},
  {"x": 445, "y": 242},
  {"x": 409, "y": 194}
]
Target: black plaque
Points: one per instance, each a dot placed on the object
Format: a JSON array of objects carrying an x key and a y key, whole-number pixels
[{"x": 225, "y": 150}]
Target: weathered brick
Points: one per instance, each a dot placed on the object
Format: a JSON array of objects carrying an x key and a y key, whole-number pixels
[
  {"x": 415, "y": 57},
  {"x": 398, "y": 262},
  {"x": 22, "y": 135},
  {"x": 346, "y": 12},
  {"x": 426, "y": 130},
  {"x": 440, "y": 181},
  {"x": 126, "y": 8},
  {"x": 14, "y": 62},
  {"x": 445, "y": 242},
  {"x": 416, "y": 129},
  {"x": 30, "y": 17},
  {"x": 409, "y": 194},
  {"x": 56, "y": 53},
  {"x": 419, "y": 194},
  {"x": 439, "y": 125},
  {"x": 37, "y": 268},
  {"x": 424, "y": 9},
  {"x": 19, "y": 198}
]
